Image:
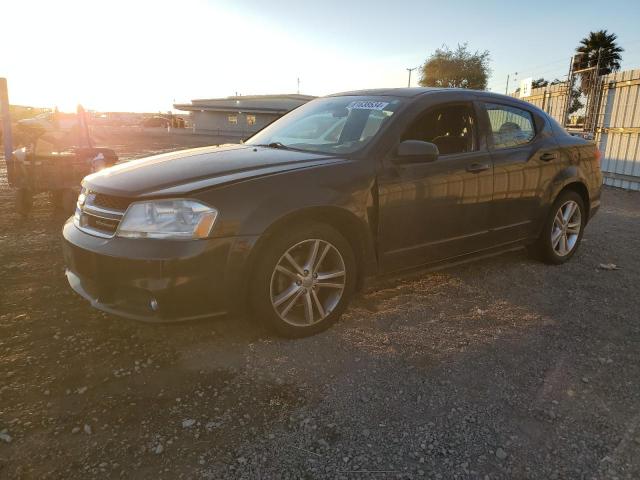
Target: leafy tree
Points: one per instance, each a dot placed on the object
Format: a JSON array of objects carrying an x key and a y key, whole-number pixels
[
  {"x": 459, "y": 68},
  {"x": 539, "y": 82},
  {"x": 575, "y": 103}
]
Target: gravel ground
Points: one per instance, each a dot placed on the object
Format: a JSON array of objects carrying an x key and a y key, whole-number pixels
[{"x": 504, "y": 368}]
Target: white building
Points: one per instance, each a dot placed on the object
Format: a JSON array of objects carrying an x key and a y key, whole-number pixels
[{"x": 239, "y": 116}]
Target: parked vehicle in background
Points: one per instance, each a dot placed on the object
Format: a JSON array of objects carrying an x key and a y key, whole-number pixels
[
  {"x": 345, "y": 187},
  {"x": 163, "y": 122}
]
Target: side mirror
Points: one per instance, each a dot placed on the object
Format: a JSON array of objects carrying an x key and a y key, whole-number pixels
[{"x": 416, "y": 151}]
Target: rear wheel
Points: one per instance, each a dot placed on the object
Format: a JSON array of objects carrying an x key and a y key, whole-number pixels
[
  {"x": 563, "y": 229},
  {"x": 303, "y": 280}
]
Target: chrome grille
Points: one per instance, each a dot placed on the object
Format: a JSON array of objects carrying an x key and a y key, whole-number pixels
[{"x": 100, "y": 214}]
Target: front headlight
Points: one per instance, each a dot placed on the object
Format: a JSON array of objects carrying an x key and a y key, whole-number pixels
[{"x": 171, "y": 219}]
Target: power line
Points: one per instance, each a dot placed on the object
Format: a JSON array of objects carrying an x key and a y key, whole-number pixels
[{"x": 497, "y": 85}]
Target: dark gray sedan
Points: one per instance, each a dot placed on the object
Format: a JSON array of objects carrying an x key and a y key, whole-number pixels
[{"x": 348, "y": 186}]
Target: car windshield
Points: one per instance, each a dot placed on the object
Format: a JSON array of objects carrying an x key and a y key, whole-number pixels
[{"x": 335, "y": 125}]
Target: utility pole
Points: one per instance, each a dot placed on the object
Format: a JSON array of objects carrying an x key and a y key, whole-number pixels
[
  {"x": 506, "y": 90},
  {"x": 595, "y": 97},
  {"x": 7, "y": 141},
  {"x": 410, "y": 70},
  {"x": 298, "y": 85},
  {"x": 570, "y": 83}
]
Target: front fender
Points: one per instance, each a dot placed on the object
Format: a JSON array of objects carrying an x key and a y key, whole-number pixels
[
  {"x": 341, "y": 194},
  {"x": 278, "y": 206}
]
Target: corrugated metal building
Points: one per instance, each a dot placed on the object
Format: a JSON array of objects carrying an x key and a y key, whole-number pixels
[{"x": 239, "y": 116}]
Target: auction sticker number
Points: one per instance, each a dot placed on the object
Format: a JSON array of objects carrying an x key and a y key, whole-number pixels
[{"x": 363, "y": 105}]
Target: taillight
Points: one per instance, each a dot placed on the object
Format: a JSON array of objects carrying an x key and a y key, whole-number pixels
[{"x": 598, "y": 156}]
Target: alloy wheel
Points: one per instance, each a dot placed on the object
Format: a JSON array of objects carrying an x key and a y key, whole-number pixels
[
  {"x": 566, "y": 228},
  {"x": 308, "y": 282}
]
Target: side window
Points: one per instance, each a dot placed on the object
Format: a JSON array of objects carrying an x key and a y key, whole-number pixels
[
  {"x": 510, "y": 126},
  {"x": 452, "y": 128}
]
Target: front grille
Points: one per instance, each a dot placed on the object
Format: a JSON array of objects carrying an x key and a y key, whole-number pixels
[
  {"x": 110, "y": 202},
  {"x": 101, "y": 214}
]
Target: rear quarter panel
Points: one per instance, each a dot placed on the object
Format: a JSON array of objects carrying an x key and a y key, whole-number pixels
[{"x": 583, "y": 167}]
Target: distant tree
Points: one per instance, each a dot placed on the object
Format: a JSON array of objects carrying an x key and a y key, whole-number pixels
[
  {"x": 457, "y": 68},
  {"x": 539, "y": 83},
  {"x": 575, "y": 104}
]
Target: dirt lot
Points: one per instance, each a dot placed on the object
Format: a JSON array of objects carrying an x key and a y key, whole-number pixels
[{"x": 505, "y": 368}]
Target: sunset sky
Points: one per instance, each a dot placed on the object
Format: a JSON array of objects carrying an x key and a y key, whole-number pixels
[{"x": 142, "y": 55}]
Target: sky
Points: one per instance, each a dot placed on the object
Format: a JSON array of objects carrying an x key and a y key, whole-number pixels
[{"x": 142, "y": 55}]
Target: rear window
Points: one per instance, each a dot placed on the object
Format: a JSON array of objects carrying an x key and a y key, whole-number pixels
[{"x": 510, "y": 126}]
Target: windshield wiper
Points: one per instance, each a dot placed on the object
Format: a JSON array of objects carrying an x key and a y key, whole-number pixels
[{"x": 275, "y": 145}]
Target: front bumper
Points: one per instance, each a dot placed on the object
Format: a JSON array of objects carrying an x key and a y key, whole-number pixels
[{"x": 157, "y": 280}]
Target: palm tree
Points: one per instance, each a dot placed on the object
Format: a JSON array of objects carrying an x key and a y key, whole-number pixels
[
  {"x": 598, "y": 45},
  {"x": 598, "y": 54}
]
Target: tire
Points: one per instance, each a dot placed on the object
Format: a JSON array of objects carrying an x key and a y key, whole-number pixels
[
  {"x": 24, "y": 201},
  {"x": 285, "y": 295},
  {"x": 551, "y": 247}
]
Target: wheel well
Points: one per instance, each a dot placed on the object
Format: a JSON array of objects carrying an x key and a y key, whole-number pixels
[
  {"x": 581, "y": 190},
  {"x": 343, "y": 221}
]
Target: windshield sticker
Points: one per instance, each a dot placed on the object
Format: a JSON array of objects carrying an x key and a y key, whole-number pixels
[{"x": 363, "y": 105}]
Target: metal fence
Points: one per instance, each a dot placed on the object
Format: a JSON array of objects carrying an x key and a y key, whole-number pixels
[
  {"x": 616, "y": 121},
  {"x": 618, "y": 129},
  {"x": 552, "y": 99}
]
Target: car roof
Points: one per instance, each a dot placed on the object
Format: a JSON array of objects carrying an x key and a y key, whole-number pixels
[
  {"x": 408, "y": 92},
  {"x": 414, "y": 92},
  {"x": 389, "y": 92}
]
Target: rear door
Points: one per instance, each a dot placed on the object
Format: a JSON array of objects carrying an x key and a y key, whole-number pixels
[
  {"x": 524, "y": 153},
  {"x": 432, "y": 211}
]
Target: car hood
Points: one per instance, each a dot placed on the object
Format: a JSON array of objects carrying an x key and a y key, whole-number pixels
[{"x": 187, "y": 171}]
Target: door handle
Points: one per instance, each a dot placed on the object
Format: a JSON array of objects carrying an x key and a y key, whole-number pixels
[
  {"x": 478, "y": 167},
  {"x": 547, "y": 157}
]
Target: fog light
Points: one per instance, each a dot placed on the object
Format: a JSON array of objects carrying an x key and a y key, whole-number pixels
[{"x": 154, "y": 304}]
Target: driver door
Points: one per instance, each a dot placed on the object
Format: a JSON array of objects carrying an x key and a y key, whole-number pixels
[{"x": 434, "y": 211}]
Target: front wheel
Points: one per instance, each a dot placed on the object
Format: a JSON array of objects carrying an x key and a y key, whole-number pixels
[
  {"x": 303, "y": 280},
  {"x": 563, "y": 229}
]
